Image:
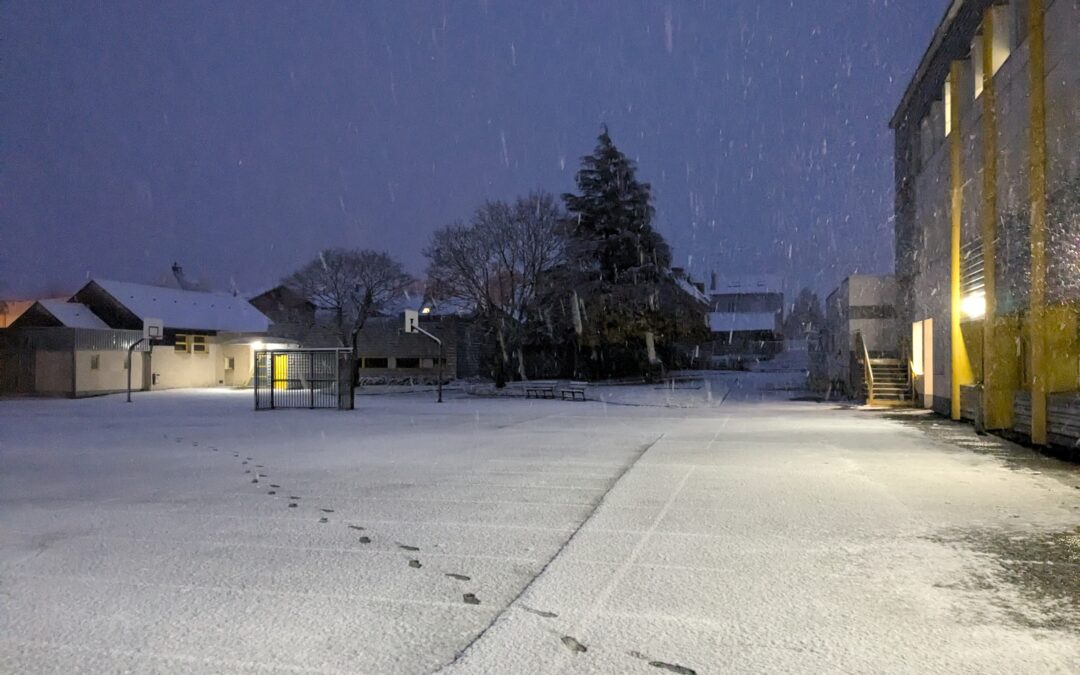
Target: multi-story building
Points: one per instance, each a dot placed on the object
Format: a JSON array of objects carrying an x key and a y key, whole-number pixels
[
  {"x": 746, "y": 317},
  {"x": 988, "y": 216}
]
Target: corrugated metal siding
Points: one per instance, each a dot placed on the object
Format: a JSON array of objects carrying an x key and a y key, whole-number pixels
[{"x": 65, "y": 339}]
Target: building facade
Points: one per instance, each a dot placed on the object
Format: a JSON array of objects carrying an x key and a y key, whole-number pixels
[
  {"x": 746, "y": 317},
  {"x": 860, "y": 323},
  {"x": 987, "y": 164},
  {"x": 79, "y": 346}
]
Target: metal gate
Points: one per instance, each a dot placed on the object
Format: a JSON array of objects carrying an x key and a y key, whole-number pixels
[{"x": 303, "y": 378}]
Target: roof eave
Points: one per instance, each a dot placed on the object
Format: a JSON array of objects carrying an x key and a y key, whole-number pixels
[{"x": 924, "y": 64}]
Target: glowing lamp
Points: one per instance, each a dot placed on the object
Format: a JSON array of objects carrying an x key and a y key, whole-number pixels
[{"x": 974, "y": 306}]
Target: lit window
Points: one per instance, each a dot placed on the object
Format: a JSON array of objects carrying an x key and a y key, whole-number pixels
[
  {"x": 947, "y": 95},
  {"x": 977, "y": 64},
  {"x": 1003, "y": 35}
]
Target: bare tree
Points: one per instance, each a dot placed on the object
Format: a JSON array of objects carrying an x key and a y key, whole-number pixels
[
  {"x": 496, "y": 264},
  {"x": 351, "y": 286}
]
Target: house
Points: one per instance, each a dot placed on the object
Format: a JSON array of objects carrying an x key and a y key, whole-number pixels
[
  {"x": 746, "y": 318},
  {"x": 386, "y": 352},
  {"x": 689, "y": 328},
  {"x": 860, "y": 324},
  {"x": 291, "y": 315},
  {"x": 987, "y": 171},
  {"x": 79, "y": 347}
]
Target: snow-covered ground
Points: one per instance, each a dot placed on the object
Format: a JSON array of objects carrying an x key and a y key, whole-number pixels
[{"x": 709, "y": 526}]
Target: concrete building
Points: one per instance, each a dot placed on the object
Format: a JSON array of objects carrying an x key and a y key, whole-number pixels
[
  {"x": 860, "y": 331},
  {"x": 746, "y": 317},
  {"x": 987, "y": 162},
  {"x": 79, "y": 347}
]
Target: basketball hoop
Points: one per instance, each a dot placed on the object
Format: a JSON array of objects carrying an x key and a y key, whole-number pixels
[{"x": 153, "y": 330}]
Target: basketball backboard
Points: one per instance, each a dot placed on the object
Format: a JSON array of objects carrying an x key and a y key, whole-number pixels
[
  {"x": 412, "y": 321},
  {"x": 153, "y": 329}
]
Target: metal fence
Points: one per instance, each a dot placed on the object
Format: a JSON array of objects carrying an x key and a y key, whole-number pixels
[{"x": 303, "y": 378}]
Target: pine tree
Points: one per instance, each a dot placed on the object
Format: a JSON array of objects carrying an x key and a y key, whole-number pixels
[
  {"x": 618, "y": 263},
  {"x": 612, "y": 219}
]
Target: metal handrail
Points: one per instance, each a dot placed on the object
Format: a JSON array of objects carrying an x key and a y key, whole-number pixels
[
  {"x": 911, "y": 380},
  {"x": 869, "y": 372}
]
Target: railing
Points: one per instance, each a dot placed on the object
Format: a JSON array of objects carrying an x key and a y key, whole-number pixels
[
  {"x": 913, "y": 379},
  {"x": 868, "y": 371}
]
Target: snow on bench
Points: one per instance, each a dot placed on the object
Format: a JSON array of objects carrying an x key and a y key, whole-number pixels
[
  {"x": 540, "y": 389},
  {"x": 573, "y": 390}
]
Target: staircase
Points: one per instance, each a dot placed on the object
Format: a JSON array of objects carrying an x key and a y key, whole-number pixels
[
  {"x": 887, "y": 383},
  {"x": 886, "y": 379}
]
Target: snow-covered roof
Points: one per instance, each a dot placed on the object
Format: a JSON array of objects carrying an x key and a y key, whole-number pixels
[
  {"x": 194, "y": 310},
  {"x": 762, "y": 283},
  {"x": 691, "y": 289},
  {"x": 73, "y": 314},
  {"x": 724, "y": 322}
]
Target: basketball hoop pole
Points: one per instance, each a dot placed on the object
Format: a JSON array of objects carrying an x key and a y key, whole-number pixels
[
  {"x": 131, "y": 349},
  {"x": 153, "y": 329},
  {"x": 412, "y": 325}
]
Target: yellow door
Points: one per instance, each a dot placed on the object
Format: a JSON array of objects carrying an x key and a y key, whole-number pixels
[{"x": 281, "y": 371}]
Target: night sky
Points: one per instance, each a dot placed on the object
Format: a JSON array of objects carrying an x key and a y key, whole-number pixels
[{"x": 239, "y": 138}]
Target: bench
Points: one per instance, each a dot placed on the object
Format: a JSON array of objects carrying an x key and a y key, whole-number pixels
[
  {"x": 540, "y": 389},
  {"x": 574, "y": 390}
]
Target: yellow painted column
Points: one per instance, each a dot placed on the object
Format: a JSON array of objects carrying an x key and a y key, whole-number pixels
[
  {"x": 961, "y": 365},
  {"x": 1037, "y": 310},
  {"x": 997, "y": 383}
]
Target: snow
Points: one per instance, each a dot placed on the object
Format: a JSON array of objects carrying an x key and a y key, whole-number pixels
[
  {"x": 73, "y": 314},
  {"x": 710, "y": 524},
  {"x": 724, "y": 322},
  {"x": 691, "y": 290},
  {"x": 192, "y": 310},
  {"x": 761, "y": 283}
]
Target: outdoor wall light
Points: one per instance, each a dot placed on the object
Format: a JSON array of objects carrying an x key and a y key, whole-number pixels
[{"x": 974, "y": 305}]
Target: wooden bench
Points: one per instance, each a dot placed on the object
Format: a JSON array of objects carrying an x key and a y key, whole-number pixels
[
  {"x": 574, "y": 390},
  {"x": 540, "y": 389}
]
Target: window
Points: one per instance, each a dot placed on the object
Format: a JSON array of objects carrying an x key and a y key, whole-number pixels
[
  {"x": 230, "y": 363},
  {"x": 409, "y": 362},
  {"x": 198, "y": 344},
  {"x": 182, "y": 344},
  {"x": 1004, "y": 35},
  {"x": 947, "y": 96},
  {"x": 977, "y": 64},
  {"x": 95, "y": 361},
  {"x": 376, "y": 362}
]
